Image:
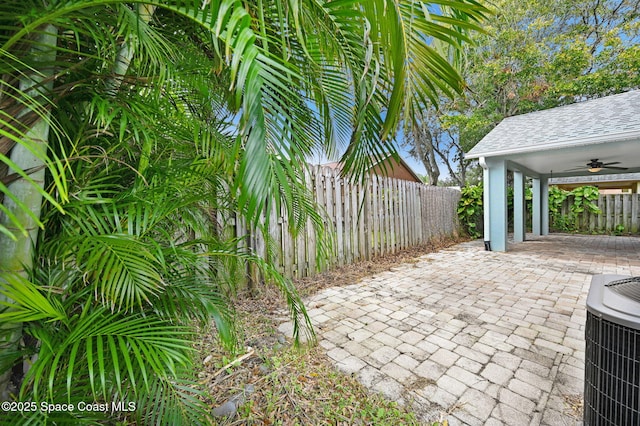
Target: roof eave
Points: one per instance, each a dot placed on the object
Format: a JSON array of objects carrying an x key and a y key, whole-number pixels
[{"x": 592, "y": 140}]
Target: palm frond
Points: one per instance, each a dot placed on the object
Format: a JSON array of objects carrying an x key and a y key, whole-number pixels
[
  {"x": 24, "y": 301},
  {"x": 301, "y": 322},
  {"x": 181, "y": 403},
  {"x": 434, "y": 33},
  {"x": 123, "y": 269},
  {"x": 110, "y": 350}
]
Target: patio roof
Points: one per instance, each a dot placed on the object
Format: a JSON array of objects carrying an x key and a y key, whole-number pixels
[
  {"x": 560, "y": 141},
  {"x": 553, "y": 143}
]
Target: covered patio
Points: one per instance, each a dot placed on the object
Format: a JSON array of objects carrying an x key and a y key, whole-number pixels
[
  {"x": 472, "y": 336},
  {"x": 596, "y": 136}
]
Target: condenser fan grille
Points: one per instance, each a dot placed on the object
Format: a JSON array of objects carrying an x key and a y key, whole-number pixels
[{"x": 628, "y": 287}]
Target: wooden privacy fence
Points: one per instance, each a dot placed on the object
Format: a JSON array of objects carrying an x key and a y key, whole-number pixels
[
  {"x": 381, "y": 216},
  {"x": 619, "y": 213}
]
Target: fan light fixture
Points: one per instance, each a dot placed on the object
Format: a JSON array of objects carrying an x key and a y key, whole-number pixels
[{"x": 595, "y": 165}]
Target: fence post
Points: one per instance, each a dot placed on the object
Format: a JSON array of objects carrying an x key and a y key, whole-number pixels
[{"x": 634, "y": 212}]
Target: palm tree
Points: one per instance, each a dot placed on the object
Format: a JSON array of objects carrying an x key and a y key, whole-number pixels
[
  {"x": 123, "y": 283},
  {"x": 153, "y": 121}
]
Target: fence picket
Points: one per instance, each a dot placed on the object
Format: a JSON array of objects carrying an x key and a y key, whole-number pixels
[
  {"x": 368, "y": 219},
  {"x": 379, "y": 216},
  {"x": 402, "y": 214},
  {"x": 348, "y": 223},
  {"x": 361, "y": 221},
  {"x": 355, "y": 218},
  {"x": 615, "y": 210},
  {"x": 338, "y": 219},
  {"x": 374, "y": 217},
  {"x": 626, "y": 219},
  {"x": 311, "y": 235}
]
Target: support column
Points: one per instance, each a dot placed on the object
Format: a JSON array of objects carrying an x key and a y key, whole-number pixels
[
  {"x": 497, "y": 202},
  {"x": 544, "y": 212},
  {"x": 486, "y": 205},
  {"x": 536, "y": 222},
  {"x": 519, "y": 218}
]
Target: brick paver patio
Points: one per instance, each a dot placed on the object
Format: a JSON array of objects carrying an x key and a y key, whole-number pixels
[{"x": 475, "y": 337}]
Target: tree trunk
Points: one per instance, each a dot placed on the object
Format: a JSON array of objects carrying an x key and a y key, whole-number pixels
[
  {"x": 17, "y": 252},
  {"x": 423, "y": 145},
  {"x": 120, "y": 68}
]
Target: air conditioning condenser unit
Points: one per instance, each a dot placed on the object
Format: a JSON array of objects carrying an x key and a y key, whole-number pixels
[{"x": 612, "y": 353}]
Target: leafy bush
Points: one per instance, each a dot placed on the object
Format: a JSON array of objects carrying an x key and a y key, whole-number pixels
[
  {"x": 119, "y": 292},
  {"x": 583, "y": 200},
  {"x": 470, "y": 209},
  {"x": 556, "y": 200}
]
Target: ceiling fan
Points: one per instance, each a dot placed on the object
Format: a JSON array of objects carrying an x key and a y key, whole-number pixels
[{"x": 594, "y": 166}]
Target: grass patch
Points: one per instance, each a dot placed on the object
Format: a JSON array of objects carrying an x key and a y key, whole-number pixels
[
  {"x": 279, "y": 384},
  {"x": 303, "y": 388}
]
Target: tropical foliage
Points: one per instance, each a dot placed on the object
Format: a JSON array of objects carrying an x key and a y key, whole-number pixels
[
  {"x": 582, "y": 199},
  {"x": 470, "y": 209},
  {"x": 131, "y": 132}
]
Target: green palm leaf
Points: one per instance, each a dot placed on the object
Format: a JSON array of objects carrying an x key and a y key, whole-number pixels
[
  {"x": 123, "y": 270},
  {"x": 26, "y": 302},
  {"x": 110, "y": 352},
  {"x": 433, "y": 37},
  {"x": 182, "y": 403}
]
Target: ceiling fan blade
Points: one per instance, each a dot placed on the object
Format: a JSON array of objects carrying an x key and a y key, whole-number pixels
[
  {"x": 609, "y": 164},
  {"x": 614, "y": 168}
]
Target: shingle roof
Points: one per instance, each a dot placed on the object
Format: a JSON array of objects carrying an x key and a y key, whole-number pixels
[
  {"x": 338, "y": 166},
  {"x": 612, "y": 118}
]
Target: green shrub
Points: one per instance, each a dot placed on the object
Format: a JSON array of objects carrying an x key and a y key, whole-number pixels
[
  {"x": 583, "y": 200},
  {"x": 470, "y": 209}
]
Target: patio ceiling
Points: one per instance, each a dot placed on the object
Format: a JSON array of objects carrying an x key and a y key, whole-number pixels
[
  {"x": 572, "y": 161},
  {"x": 560, "y": 141}
]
